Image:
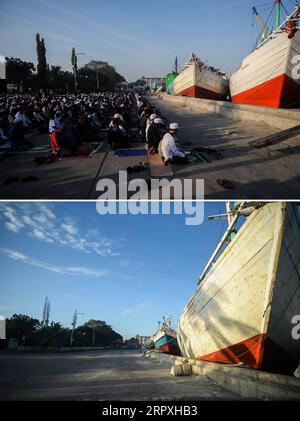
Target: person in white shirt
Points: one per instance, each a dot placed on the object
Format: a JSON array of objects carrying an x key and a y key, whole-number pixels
[
  {"x": 116, "y": 117},
  {"x": 21, "y": 116},
  {"x": 54, "y": 123},
  {"x": 168, "y": 148}
]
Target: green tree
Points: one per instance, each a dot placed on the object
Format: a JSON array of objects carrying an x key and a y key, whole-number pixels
[
  {"x": 42, "y": 62},
  {"x": 98, "y": 71},
  {"x": 20, "y": 73},
  {"x": 22, "y": 327},
  {"x": 59, "y": 79}
]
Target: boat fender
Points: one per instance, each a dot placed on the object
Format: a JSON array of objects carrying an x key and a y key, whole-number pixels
[{"x": 291, "y": 29}]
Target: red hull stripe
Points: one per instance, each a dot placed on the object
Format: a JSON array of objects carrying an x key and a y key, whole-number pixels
[
  {"x": 259, "y": 353},
  {"x": 280, "y": 92},
  {"x": 247, "y": 352},
  {"x": 170, "y": 349},
  {"x": 196, "y": 92}
]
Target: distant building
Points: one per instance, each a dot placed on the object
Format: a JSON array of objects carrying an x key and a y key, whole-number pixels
[{"x": 132, "y": 343}]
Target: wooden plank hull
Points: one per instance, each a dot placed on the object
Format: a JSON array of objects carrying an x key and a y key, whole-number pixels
[
  {"x": 197, "y": 82},
  {"x": 266, "y": 76},
  {"x": 166, "y": 341},
  {"x": 242, "y": 310}
]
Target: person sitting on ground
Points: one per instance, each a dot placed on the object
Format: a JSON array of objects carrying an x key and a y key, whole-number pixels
[
  {"x": 72, "y": 139},
  {"x": 156, "y": 132},
  {"x": 16, "y": 136},
  {"x": 40, "y": 120},
  {"x": 168, "y": 148},
  {"x": 25, "y": 120},
  {"x": 4, "y": 141},
  {"x": 149, "y": 122},
  {"x": 117, "y": 116},
  {"x": 117, "y": 135},
  {"x": 143, "y": 121},
  {"x": 64, "y": 140}
]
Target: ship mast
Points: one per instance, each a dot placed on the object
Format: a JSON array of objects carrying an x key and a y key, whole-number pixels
[
  {"x": 261, "y": 22},
  {"x": 233, "y": 214},
  {"x": 278, "y": 13}
]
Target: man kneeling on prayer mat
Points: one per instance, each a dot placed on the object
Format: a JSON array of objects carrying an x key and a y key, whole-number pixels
[
  {"x": 117, "y": 136},
  {"x": 168, "y": 149},
  {"x": 65, "y": 140}
]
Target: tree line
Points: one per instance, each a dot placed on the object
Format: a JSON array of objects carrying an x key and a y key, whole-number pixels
[
  {"x": 26, "y": 77},
  {"x": 31, "y": 332}
]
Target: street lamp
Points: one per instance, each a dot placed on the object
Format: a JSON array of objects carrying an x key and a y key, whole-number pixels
[{"x": 74, "y": 65}]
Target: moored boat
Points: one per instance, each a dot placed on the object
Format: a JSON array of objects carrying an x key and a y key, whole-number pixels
[
  {"x": 198, "y": 80},
  {"x": 169, "y": 79},
  {"x": 249, "y": 293},
  {"x": 268, "y": 76},
  {"x": 165, "y": 339}
]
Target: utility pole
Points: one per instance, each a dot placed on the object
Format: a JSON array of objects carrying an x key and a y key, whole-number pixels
[
  {"x": 74, "y": 66},
  {"x": 94, "y": 331},
  {"x": 74, "y": 323},
  {"x": 46, "y": 313},
  {"x": 97, "y": 76}
]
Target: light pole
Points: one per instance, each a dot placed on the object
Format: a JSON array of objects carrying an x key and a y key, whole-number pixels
[
  {"x": 74, "y": 65},
  {"x": 74, "y": 323},
  {"x": 94, "y": 331}
]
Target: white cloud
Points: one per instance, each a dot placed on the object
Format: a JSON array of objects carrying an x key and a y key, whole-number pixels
[
  {"x": 63, "y": 270},
  {"x": 12, "y": 227},
  {"x": 38, "y": 220},
  {"x": 70, "y": 229},
  {"x": 14, "y": 222}
]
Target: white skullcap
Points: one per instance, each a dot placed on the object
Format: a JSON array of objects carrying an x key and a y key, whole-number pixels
[
  {"x": 117, "y": 116},
  {"x": 174, "y": 126},
  {"x": 153, "y": 116},
  {"x": 158, "y": 121}
]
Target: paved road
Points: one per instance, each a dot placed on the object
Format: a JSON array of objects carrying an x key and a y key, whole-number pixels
[
  {"x": 99, "y": 375},
  {"x": 270, "y": 173}
]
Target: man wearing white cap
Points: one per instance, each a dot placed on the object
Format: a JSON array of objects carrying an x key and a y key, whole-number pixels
[
  {"x": 168, "y": 148},
  {"x": 149, "y": 122},
  {"x": 155, "y": 134}
]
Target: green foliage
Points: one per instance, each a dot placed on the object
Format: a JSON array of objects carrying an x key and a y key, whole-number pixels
[
  {"x": 30, "y": 332},
  {"x": 108, "y": 77},
  {"x": 42, "y": 62},
  {"x": 59, "y": 79},
  {"x": 19, "y": 72},
  {"x": 22, "y": 327}
]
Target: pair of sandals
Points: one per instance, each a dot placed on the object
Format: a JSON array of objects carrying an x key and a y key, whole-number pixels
[{"x": 143, "y": 166}]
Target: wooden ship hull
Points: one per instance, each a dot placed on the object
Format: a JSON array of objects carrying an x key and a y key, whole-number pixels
[
  {"x": 199, "y": 81},
  {"x": 242, "y": 310}
]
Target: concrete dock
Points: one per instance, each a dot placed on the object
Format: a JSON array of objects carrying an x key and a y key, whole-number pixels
[
  {"x": 270, "y": 173},
  {"x": 101, "y": 376}
]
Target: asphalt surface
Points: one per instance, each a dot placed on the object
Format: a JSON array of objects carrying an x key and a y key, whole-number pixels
[{"x": 99, "y": 376}]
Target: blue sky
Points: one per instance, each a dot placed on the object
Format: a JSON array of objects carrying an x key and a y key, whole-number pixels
[
  {"x": 138, "y": 38},
  {"x": 127, "y": 270}
]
